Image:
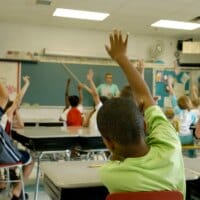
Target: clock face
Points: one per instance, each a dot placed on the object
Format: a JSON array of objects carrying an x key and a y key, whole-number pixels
[{"x": 159, "y": 48}]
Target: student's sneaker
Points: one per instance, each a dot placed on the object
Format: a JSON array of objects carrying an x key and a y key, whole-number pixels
[
  {"x": 2, "y": 186},
  {"x": 20, "y": 197}
]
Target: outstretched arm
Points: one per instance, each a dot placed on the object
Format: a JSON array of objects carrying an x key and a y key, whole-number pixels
[
  {"x": 93, "y": 90},
  {"x": 117, "y": 51},
  {"x": 174, "y": 103},
  {"x": 23, "y": 90},
  {"x": 67, "y": 93},
  {"x": 15, "y": 105},
  {"x": 3, "y": 96},
  {"x": 80, "y": 93},
  {"x": 194, "y": 91},
  {"x": 17, "y": 120}
]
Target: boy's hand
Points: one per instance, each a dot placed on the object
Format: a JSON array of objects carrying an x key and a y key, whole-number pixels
[
  {"x": 118, "y": 46},
  {"x": 26, "y": 79},
  {"x": 90, "y": 75},
  {"x": 80, "y": 86}
]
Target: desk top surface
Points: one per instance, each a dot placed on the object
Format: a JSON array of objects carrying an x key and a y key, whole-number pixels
[
  {"x": 51, "y": 132},
  {"x": 73, "y": 174},
  {"x": 193, "y": 164},
  {"x": 44, "y": 120}
]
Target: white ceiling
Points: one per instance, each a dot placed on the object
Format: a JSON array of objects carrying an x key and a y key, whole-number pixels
[{"x": 134, "y": 16}]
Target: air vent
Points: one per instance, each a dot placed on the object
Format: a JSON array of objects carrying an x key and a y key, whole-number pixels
[{"x": 44, "y": 2}]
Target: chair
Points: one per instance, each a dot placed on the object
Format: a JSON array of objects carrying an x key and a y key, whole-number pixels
[
  {"x": 6, "y": 176},
  {"x": 152, "y": 195},
  {"x": 94, "y": 154}
]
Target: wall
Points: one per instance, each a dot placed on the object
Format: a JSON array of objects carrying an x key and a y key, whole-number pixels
[{"x": 75, "y": 41}]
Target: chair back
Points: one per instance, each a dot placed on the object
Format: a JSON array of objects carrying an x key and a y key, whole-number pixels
[{"x": 152, "y": 195}]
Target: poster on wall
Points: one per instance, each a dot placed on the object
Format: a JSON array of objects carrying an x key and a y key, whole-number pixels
[
  {"x": 180, "y": 82},
  {"x": 10, "y": 77}
]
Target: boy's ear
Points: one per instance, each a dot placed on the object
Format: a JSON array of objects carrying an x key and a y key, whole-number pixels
[{"x": 109, "y": 144}]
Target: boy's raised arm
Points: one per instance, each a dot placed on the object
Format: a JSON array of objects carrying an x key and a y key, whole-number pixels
[
  {"x": 23, "y": 90},
  {"x": 117, "y": 51}
]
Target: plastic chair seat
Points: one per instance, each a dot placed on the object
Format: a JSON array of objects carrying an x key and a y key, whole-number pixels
[{"x": 150, "y": 195}]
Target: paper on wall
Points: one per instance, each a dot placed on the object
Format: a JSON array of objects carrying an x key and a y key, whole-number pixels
[
  {"x": 185, "y": 77},
  {"x": 167, "y": 102},
  {"x": 179, "y": 89}
]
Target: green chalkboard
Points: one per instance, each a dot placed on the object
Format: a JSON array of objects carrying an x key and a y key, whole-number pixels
[{"x": 48, "y": 81}]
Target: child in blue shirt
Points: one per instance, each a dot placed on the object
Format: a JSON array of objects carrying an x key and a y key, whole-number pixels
[{"x": 182, "y": 108}]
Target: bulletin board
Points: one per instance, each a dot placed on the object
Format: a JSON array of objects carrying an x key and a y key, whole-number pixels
[
  {"x": 10, "y": 76},
  {"x": 181, "y": 82}
]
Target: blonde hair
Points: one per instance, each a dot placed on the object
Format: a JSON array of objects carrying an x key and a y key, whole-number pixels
[
  {"x": 169, "y": 112},
  {"x": 196, "y": 102},
  {"x": 185, "y": 103}
]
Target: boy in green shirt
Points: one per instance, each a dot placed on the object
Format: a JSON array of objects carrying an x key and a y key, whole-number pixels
[{"x": 138, "y": 163}]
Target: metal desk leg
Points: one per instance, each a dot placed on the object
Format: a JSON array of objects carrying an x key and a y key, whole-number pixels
[{"x": 37, "y": 176}]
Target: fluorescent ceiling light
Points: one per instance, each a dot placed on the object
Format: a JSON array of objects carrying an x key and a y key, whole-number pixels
[
  {"x": 79, "y": 14},
  {"x": 176, "y": 25}
]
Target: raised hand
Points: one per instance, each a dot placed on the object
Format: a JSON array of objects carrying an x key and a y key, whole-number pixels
[
  {"x": 90, "y": 75},
  {"x": 26, "y": 79},
  {"x": 118, "y": 46},
  {"x": 81, "y": 86}
]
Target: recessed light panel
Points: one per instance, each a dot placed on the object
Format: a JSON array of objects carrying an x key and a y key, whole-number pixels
[
  {"x": 176, "y": 25},
  {"x": 80, "y": 14}
]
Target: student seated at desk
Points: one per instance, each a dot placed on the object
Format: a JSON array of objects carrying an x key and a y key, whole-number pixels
[
  {"x": 138, "y": 163},
  {"x": 9, "y": 153},
  {"x": 17, "y": 121},
  {"x": 73, "y": 112},
  {"x": 182, "y": 109}
]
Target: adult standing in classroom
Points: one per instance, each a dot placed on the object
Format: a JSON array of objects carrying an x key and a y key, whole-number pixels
[{"x": 108, "y": 89}]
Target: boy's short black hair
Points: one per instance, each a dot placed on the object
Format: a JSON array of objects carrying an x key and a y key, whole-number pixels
[
  {"x": 119, "y": 119},
  {"x": 74, "y": 100}
]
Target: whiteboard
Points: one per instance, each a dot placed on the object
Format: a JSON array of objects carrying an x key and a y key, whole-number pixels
[{"x": 10, "y": 73}]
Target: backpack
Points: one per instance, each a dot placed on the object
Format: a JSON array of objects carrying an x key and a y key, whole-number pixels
[{"x": 74, "y": 117}]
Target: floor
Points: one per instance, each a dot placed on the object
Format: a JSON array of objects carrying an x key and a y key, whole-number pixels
[{"x": 30, "y": 189}]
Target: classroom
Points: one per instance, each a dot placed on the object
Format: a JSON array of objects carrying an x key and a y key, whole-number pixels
[{"x": 53, "y": 66}]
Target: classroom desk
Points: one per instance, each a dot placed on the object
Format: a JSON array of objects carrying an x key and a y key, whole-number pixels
[
  {"x": 192, "y": 184},
  {"x": 73, "y": 179},
  {"x": 63, "y": 180},
  {"x": 42, "y": 122},
  {"x": 49, "y": 139},
  {"x": 193, "y": 164},
  {"x": 57, "y": 138}
]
